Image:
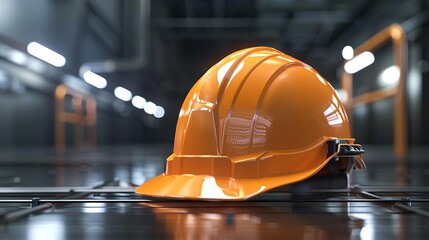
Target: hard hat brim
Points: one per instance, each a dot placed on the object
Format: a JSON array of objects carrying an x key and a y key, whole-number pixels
[
  {"x": 212, "y": 187},
  {"x": 204, "y": 187}
]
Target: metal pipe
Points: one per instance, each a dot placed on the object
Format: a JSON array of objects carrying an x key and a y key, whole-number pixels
[
  {"x": 396, "y": 204},
  {"x": 38, "y": 190},
  {"x": 141, "y": 44},
  {"x": 18, "y": 214},
  {"x": 59, "y": 190}
]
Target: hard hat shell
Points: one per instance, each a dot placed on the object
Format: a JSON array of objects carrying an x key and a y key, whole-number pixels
[{"x": 256, "y": 120}]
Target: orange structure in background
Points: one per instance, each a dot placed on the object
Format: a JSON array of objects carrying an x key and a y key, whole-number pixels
[
  {"x": 397, "y": 36},
  {"x": 78, "y": 117}
]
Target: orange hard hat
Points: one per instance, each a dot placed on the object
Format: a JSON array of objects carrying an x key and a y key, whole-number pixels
[{"x": 257, "y": 120}]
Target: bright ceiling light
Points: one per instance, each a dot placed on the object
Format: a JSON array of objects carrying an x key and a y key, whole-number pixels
[
  {"x": 150, "y": 108},
  {"x": 160, "y": 112},
  {"x": 95, "y": 79},
  {"x": 359, "y": 62},
  {"x": 123, "y": 94},
  {"x": 348, "y": 52},
  {"x": 390, "y": 75},
  {"x": 46, "y": 54},
  {"x": 138, "y": 102},
  {"x": 17, "y": 57}
]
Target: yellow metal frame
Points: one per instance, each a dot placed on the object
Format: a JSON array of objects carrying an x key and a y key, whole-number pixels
[
  {"x": 397, "y": 36},
  {"x": 77, "y": 117}
]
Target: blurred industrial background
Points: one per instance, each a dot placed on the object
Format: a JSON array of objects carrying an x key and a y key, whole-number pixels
[
  {"x": 91, "y": 90},
  {"x": 159, "y": 49}
]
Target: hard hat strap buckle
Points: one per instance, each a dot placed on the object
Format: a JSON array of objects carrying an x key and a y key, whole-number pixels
[
  {"x": 345, "y": 148},
  {"x": 342, "y": 148}
]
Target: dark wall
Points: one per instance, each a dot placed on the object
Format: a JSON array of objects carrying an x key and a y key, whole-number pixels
[
  {"x": 81, "y": 31},
  {"x": 26, "y": 119}
]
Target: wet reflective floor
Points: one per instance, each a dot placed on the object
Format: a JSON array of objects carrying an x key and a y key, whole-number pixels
[{"x": 282, "y": 214}]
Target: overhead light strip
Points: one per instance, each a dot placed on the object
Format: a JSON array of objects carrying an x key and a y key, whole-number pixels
[
  {"x": 46, "y": 54},
  {"x": 359, "y": 62}
]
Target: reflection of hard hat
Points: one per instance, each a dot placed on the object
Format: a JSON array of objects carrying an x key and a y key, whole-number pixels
[
  {"x": 256, "y": 120},
  {"x": 249, "y": 221}
]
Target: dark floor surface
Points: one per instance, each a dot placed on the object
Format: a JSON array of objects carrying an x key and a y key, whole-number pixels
[{"x": 274, "y": 215}]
